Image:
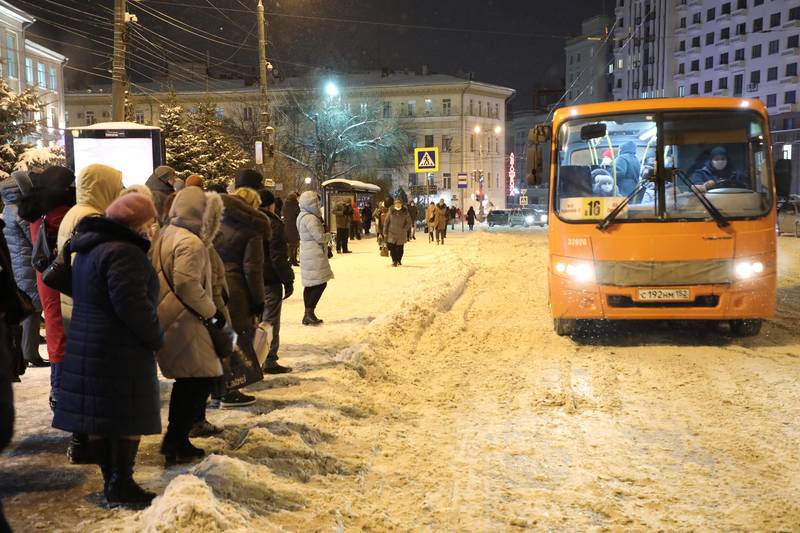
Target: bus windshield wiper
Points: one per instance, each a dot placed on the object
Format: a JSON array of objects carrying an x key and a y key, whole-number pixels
[
  {"x": 606, "y": 222},
  {"x": 718, "y": 217}
]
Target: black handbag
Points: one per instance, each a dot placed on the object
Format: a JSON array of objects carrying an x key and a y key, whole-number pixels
[
  {"x": 44, "y": 249},
  {"x": 242, "y": 369},
  {"x": 222, "y": 337},
  {"x": 58, "y": 275}
]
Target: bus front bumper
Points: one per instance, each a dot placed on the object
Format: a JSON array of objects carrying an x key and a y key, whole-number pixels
[{"x": 753, "y": 298}]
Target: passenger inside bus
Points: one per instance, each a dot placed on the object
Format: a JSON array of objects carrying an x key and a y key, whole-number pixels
[
  {"x": 627, "y": 168},
  {"x": 602, "y": 182}
]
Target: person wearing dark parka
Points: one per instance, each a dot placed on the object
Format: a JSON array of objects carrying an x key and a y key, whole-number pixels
[{"x": 109, "y": 383}]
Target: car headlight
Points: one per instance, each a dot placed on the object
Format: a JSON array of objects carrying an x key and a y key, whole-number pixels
[
  {"x": 542, "y": 218},
  {"x": 582, "y": 271},
  {"x": 529, "y": 219},
  {"x": 748, "y": 269}
]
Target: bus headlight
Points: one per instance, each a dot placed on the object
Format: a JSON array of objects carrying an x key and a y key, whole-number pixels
[
  {"x": 748, "y": 269},
  {"x": 581, "y": 271}
]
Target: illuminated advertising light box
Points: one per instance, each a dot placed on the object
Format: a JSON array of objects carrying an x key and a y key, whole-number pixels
[{"x": 132, "y": 148}]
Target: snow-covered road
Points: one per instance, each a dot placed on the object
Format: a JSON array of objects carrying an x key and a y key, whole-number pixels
[{"x": 437, "y": 397}]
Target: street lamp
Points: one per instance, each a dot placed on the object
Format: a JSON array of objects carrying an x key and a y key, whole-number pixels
[
  {"x": 497, "y": 130},
  {"x": 331, "y": 90},
  {"x": 477, "y": 130}
]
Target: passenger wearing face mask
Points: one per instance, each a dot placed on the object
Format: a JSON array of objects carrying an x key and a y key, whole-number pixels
[
  {"x": 602, "y": 183},
  {"x": 718, "y": 173}
]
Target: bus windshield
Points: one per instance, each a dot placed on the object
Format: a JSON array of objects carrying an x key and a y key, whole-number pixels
[{"x": 720, "y": 155}]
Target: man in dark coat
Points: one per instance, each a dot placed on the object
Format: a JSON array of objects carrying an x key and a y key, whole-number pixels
[
  {"x": 161, "y": 183},
  {"x": 628, "y": 169},
  {"x": 344, "y": 215},
  {"x": 471, "y": 218},
  {"x": 109, "y": 380},
  {"x": 366, "y": 217},
  {"x": 20, "y": 245},
  {"x": 278, "y": 280},
  {"x": 291, "y": 210}
]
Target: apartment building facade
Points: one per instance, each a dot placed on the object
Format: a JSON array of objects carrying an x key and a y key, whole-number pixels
[
  {"x": 587, "y": 62},
  {"x": 465, "y": 119}
]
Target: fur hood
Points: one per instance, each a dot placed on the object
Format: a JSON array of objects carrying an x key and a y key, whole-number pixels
[
  {"x": 198, "y": 212},
  {"x": 242, "y": 217}
]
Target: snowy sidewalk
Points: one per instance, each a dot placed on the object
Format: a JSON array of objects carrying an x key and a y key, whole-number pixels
[{"x": 266, "y": 448}]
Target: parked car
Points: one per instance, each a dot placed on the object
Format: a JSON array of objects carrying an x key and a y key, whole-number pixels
[
  {"x": 789, "y": 218},
  {"x": 498, "y": 217},
  {"x": 527, "y": 217}
]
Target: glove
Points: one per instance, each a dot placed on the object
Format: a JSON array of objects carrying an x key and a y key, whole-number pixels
[
  {"x": 218, "y": 320},
  {"x": 288, "y": 290}
]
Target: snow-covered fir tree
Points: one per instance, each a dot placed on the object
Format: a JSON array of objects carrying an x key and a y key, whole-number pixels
[
  {"x": 186, "y": 152},
  {"x": 224, "y": 155},
  {"x": 16, "y": 121},
  {"x": 36, "y": 158}
]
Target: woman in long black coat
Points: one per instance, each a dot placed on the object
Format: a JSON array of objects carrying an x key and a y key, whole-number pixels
[{"x": 109, "y": 385}]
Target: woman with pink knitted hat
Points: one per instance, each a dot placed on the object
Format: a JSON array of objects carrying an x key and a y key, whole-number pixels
[{"x": 109, "y": 384}]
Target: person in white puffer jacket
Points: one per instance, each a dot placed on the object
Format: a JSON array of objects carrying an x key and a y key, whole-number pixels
[{"x": 315, "y": 269}]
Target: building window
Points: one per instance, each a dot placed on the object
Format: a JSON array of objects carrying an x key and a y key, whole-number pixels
[
  {"x": 774, "y": 46},
  {"x": 248, "y": 113},
  {"x": 726, "y": 8},
  {"x": 708, "y": 86},
  {"x": 412, "y": 108},
  {"x": 757, "y": 2},
  {"x": 695, "y": 65},
  {"x": 791, "y": 42},
  {"x": 681, "y": 91},
  {"x": 791, "y": 69},
  {"x": 772, "y": 100},
  {"x": 387, "y": 110},
  {"x": 711, "y": 14},
  {"x": 710, "y": 62},
  {"x": 696, "y": 42},
  {"x": 710, "y": 38},
  {"x": 90, "y": 118},
  {"x": 447, "y": 143},
  {"x": 683, "y": 22},
  {"x": 739, "y": 55},
  {"x": 772, "y": 73},
  {"x": 790, "y": 97},
  {"x": 788, "y": 124},
  {"x": 447, "y": 181},
  {"x": 694, "y": 89},
  {"x": 496, "y": 110},
  {"x": 470, "y": 107},
  {"x": 755, "y": 52},
  {"x": 723, "y": 59},
  {"x": 738, "y": 84},
  {"x": 697, "y": 18},
  {"x": 681, "y": 69},
  {"x": 139, "y": 117},
  {"x": 724, "y": 34},
  {"x": 40, "y": 76},
  {"x": 775, "y": 20},
  {"x": 11, "y": 55},
  {"x": 428, "y": 106},
  {"x": 755, "y": 77},
  {"x": 741, "y": 29},
  {"x": 429, "y": 141},
  {"x": 446, "y": 107},
  {"x": 619, "y": 83},
  {"x": 480, "y": 108},
  {"x": 787, "y": 151},
  {"x": 722, "y": 83},
  {"x": 682, "y": 46},
  {"x": 741, "y": 4},
  {"x": 794, "y": 13},
  {"x": 758, "y": 25},
  {"x": 472, "y": 143},
  {"x": 29, "y": 71}
]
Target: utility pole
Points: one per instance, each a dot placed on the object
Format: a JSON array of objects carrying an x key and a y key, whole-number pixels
[
  {"x": 118, "y": 75},
  {"x": 267, "y": 147}
]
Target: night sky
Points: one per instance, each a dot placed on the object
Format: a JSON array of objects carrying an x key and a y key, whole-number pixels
[{"x": 515, "y": 43}]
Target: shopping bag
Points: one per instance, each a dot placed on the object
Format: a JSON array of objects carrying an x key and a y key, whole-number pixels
[
  {"x": 262, "y": 341},
  {"x": 244, "y": 367}
]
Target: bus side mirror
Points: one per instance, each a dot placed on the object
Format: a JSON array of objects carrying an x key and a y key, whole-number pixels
[
  {"x": 783, "y": 177},
  {"x": 539, "y": 136}
]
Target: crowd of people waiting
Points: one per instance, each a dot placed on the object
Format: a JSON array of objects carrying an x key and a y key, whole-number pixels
[{"x": 159, "y": 272}]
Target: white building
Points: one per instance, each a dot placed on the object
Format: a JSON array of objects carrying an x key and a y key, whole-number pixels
[
  {"x": 464, "y": 118},
  {"x": 587, "y": 58},
  {"x": 28, "y": 64}
]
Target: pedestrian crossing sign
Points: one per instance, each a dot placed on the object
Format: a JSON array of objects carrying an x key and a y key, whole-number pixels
[{"x": 426, "y": 159}]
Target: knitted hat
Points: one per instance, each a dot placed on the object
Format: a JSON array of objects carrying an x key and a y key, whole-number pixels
[
  {"x": 719, "y": 151},
  {"x": 248, "y": 177},
  {"x": 195, "y": 180},
  {"x": 132, "y": 210},
  {"x": 267, "y": 198}
]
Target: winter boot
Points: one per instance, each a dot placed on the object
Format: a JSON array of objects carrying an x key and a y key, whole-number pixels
[
  {"x": 79, "y": 451},
  {"x": 310, "y": 319},
  {"x": 122, "y": 489},
  {"x": 176, "y": 451},
  {"x": 102, "y": 451},
  {"x": 273, "y": 367}
]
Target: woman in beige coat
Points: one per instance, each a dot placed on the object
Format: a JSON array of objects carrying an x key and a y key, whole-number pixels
[{"x": 181, "y": 258}]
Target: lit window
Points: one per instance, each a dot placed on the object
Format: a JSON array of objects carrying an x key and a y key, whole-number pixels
[{"x": 40, "y": 75}]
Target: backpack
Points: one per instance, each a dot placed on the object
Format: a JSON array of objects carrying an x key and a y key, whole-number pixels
[{"x": 44, "y": 248}]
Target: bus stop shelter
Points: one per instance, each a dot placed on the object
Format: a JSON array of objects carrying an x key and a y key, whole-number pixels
[{"x": 338, "y": 190}]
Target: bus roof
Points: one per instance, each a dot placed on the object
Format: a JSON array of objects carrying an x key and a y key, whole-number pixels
[{"x": 657, "y": 104}]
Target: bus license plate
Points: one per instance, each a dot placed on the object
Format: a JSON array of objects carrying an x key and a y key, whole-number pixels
[{"x": 669, "y": 295}]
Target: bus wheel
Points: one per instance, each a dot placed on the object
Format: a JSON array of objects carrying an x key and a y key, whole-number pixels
[
  {"x": 746, "y": 328},
  {"x": 565, "y": 326}
]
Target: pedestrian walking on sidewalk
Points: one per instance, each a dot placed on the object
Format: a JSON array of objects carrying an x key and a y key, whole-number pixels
[
  {"x": 471, "y": 218},
  {"x": 430, "y": 220},
  {"x": 20, "y": 243},
  {"x": 315, "y": 269},
  {"x": 355, "y": 224},
  {"x": 109, "y": 382},
  {"x": 413, "y": 212},
  {"x": 366, "y": 217},
  {"x": 453, "y": 215},
  {"x": 182, "y": 260},
  {"x": 440, "y": 216},
  {"x": 344, "y": 215},
  {"x": 395, "y": 231},
  {"x": 291, "y": 210},
  {"x": 278, "y": 280},
  {"x": 53, "y": 195}
]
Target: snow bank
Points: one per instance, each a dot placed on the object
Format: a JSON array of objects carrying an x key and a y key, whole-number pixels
[{"x": 437, "y": 293}]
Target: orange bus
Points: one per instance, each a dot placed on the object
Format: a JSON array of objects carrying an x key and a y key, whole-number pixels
[{"x": 662, "y": 209}]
